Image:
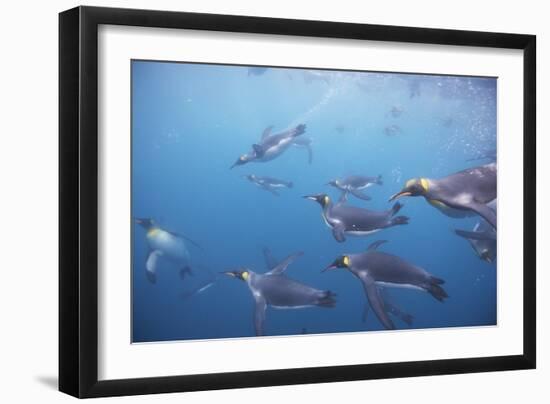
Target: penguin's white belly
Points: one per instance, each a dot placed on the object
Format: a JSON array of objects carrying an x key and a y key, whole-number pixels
[
  {"x": 448, "y": 211},
  {"x": 398, "y": 285},
  {"x": 171, "y": 247},
  {"x": 292, "y": 307},
  {"x": 275, "y": 151},
  {"x": 360, "y": 233}
]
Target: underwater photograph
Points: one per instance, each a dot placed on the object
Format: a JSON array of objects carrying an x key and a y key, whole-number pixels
[{"x": 281, "y": 201}]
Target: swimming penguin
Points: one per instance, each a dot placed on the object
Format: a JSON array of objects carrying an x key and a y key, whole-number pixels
[
  {"x": 392, "y": 130},
  {"x": 414, "y": 87},
  {"x": 375, "y": 269},
  {"x": 269, "y": 184},
  {"x": 389, "y": 308},
  {"x": 274, "y": 289},
  {"x": 353, "y": 221},
  {"x": 483, "y": 239},
  {"x": 460, "y": 194},
  {"x": 271, "y": 146},
  {"x": 396, "y": 111},
  {"x": 163, "y": 243},
  {"x": 355, "y": 183},
  {"x": 256, "y": 71}
]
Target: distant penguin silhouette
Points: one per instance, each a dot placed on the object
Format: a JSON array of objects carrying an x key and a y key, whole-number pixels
[
  {"x": 354, "y": 184},
  {"x": 256, "y": 71},
  {"x": 269, "y": 184},
  {"x": 392, "y": 130}
]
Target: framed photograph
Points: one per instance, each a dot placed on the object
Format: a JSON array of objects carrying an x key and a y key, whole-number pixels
[{"x": 250, "y": 201}]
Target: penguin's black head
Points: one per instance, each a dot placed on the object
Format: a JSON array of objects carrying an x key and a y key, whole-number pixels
[
  {"x": 321, "y": 199},
  {"x": 241, "y": 274},
  {"x": 343, "y": 261},
  {"x": 334, "y": 183},
  {"x": 241, "y": 160},
  {"x": 413, "y": 187},
  {"x": 145, "y": 223},
  {"x": 250, "y": 177}
]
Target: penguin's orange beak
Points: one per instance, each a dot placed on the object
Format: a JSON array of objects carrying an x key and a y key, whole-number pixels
[
  {"x": 399, "y": 195},
  {"x": 331, "y": 266},
  {"x": 335, "y": 265}
]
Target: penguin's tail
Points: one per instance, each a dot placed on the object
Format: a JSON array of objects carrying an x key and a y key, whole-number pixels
[
  {"x": 327, "y": 299},
  {"x": 379, "y": 180},
  {"x": 299, "y": 130},
  {"x": 436, "y": 290},
  {"x": 399, "y": 220}
]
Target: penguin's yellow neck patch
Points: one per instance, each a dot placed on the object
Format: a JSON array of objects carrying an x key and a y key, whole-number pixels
[
  {"x": 153, "y": 231},
  {"x": 425, "y": 184},
  {"x": 245, "y": 275},
  {"x": 345, "y": 261},
  {"x": 326, "y": 200}
]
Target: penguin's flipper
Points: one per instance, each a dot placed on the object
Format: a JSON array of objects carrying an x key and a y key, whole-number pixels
[
  {"x": 397, "y": 312},
  {"x": 198, "y": 290},
  {"x": 186, "y": 270},
  {"x": 259, "y": 315},
  {"x": 360, "y": 195},
  {"x": 338, "y": 233},
  {"x": 343, "y": 197},
  {"x": 270, "y": 261},
  {"x": 151, "y": 265},
  {"x": 258, "y": 150},
  {"x": 279, "y": 269},
  {"x": 267, "y": 132},
  {"x": 179, "y": 235},
  {"x": 485, "y": 212},
  {"x": 376, "y": 244},
  {"x": 376, "y": 302},
  {"x": 477, "y": 235}
]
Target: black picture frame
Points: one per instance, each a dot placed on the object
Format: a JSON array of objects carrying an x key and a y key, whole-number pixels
[{"x": 78, "y": 200}]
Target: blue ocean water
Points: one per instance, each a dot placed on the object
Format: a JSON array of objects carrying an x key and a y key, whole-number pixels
[{"x": 190, "y": 122}]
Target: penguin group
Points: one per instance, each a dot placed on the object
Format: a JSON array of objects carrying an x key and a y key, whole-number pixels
[{"x": 378, "y": 268}]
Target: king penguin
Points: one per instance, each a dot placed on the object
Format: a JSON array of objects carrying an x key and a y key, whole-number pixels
[
  {"x": 271, "y": 146},
  {"x": 354, "y": 184},
  {"x": 274, "y": 289},
  {"x": 163, "y": 243},
  {"x": 458, "y": 195},
  {"x": 375, "y": 269},
  {"x": 353, "y": 221}
]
